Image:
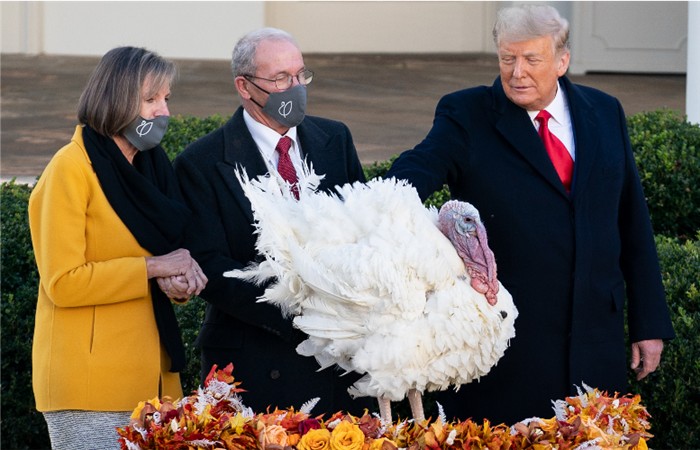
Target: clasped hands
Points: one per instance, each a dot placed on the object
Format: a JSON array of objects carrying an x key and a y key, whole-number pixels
[{"x": 178, "y": 275}]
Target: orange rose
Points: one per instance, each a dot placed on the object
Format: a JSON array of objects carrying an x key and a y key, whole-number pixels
[
  {"x": 347, "y": 436},
  {"x": 273, "y": 434},
  {"x": 316, "y": 439},
  {"x": 293, "y": 439}
]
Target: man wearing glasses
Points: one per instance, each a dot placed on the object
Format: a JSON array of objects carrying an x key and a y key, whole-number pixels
[{"x": 268, "y": 133}]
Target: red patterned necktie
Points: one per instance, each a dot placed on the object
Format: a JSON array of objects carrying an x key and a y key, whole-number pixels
[
  {"x": 560, "y": 156},
  {"x": 285, "y": 166}
]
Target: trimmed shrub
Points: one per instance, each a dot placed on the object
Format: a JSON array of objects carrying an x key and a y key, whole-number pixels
[
  {"x": 672, "y": 393},
  {"x": 190, "y": 317},
  {"x": 379, "y": 168},
  {"x": 22, "y": 425},
  {"x": 183, "y": 130},
  {"x": 667, "y": 151}
]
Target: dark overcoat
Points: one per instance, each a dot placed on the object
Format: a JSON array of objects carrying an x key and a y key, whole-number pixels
[
  {"x": 254, "y": 336},
  {"x": 568, "y": 260}
]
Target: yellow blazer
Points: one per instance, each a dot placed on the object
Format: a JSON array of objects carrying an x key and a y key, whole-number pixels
[{"x": 96, "y": 344}]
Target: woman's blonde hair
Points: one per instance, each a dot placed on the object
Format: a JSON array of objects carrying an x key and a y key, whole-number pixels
[{"x": 112, "y": 96}]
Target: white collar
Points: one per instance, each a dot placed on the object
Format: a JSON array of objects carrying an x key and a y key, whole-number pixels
[
  {"x": 558, "y": 109},
  {"x": 266, "y": 138}
]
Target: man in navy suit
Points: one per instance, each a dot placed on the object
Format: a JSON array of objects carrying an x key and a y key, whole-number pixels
[
  {"x": 271, "y": 78},
  {"x": 569, "y": 248}
]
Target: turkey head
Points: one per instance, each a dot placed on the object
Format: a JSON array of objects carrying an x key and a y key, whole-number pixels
[{"x": 460, "y": 222}]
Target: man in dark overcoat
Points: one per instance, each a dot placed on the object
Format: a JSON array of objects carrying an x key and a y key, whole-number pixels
[
  {"x": 270, "y": 78},
  {"x": 572, "y": 241}
]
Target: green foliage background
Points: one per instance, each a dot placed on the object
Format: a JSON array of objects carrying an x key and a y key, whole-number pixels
[
  {"x": 672, "y": 393},
  {"x": 667, "y": 151},
  {"x": 22, "y": 426}
]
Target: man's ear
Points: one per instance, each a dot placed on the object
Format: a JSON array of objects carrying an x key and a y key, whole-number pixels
[
  {"x": 563, "y": 63},
  {"x": 242, "y": 87}
]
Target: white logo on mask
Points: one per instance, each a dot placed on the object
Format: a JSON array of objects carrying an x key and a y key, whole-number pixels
[
  {"x": 285, "y": 108},
  {"x": 145, "y": 134},
  {"x": 144, "y": 128}
]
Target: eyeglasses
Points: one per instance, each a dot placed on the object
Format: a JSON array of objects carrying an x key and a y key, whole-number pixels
[{"x": 284, "y": 82}]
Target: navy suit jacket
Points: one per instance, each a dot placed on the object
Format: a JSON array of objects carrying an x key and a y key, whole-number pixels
[
  {"x": 568, "y": 260},
  {"x": 254, "y": 336}
]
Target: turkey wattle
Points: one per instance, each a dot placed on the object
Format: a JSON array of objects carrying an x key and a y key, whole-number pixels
[{"x": 382, "y": 285}]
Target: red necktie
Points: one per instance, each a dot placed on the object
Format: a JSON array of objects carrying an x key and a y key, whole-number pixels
[
  {"x": 560, "y": 156},
  {"x": 285, "y": 166}
]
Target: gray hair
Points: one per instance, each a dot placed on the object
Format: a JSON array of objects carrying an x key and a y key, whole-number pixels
[
  {"x": 243, "y": 58},
  {"x": 525, "y": 22},
  {"x": 112, "y": 96}
]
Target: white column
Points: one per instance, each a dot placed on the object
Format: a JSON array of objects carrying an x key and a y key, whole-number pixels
[
  {"x": 22, "y": 27},
  {"x": 692, "y": 87}
]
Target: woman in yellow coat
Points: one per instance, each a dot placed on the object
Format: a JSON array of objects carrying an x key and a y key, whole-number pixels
[{"x": 106, "y": 218}]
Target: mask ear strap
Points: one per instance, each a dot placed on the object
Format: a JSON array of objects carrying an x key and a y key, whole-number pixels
[
  {"x": 251, "y": 97},
  {"x": 253, "y": 83},
  {"x": 253, "y": 100}
]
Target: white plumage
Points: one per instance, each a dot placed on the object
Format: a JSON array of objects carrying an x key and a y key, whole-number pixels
[{"x": 378, "y": 288}]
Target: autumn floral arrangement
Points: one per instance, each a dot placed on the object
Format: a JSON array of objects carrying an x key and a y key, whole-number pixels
[{"x": 214, "y": 417}]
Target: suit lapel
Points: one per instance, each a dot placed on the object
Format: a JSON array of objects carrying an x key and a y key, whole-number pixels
[
  {"x": 240, "y": 151},
  {"x": 586, "y": 134},
  {"x": 515, "y": 126},
  {"x": 314, "y": 143}
]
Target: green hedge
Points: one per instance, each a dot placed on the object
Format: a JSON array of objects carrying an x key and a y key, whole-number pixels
[
  {"x": 22, "y": 426},
  {"x": 667, "y": 152},
  {"x": 185, "y": 129},
  {"x": 672, "y": 393},
  {"x": 666, "y": 148}
]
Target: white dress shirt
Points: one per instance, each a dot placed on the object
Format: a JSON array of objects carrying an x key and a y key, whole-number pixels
[{"x": 266, "y": 139}]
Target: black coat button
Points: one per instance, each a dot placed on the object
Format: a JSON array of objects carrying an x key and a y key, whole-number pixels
[{"x": 274, "y": 374}]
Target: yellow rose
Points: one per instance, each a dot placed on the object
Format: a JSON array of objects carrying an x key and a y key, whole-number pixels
[
  {"x": 137, "y": 411},
  {"x": 317, "y": 439},
  {"x": 641, "y": 445},
  {"x": 347, "y": 436},
  {"x": 382, "y": 444},
  {"x": 273, "y": 434},
  {"x": 152, "y": 403}
]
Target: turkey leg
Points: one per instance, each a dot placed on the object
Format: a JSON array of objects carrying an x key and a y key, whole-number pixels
[
  {"x": 384, "y": 409},
  {"x": 415, "y": 399}
]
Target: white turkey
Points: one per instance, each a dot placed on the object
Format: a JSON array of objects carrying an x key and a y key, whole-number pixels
[{"x": 382, "y": 285}]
